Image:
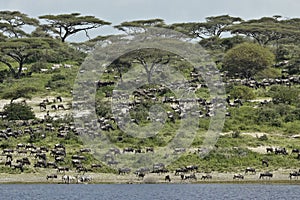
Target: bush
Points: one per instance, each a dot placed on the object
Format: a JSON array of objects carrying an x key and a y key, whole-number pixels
[
  {"x": 247, "y": 59},
  {"x": 281, "y": 94},
  {"x": 36, "y": 67},
  {"x": 18, "y": 111},
  {"x": 242, "y": 92}
]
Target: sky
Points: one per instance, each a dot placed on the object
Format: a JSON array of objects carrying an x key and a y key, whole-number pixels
[{"x": 172, "y": 11}]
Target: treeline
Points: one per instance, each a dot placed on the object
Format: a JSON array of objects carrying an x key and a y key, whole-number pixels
[{"x": 47, "y": 41}]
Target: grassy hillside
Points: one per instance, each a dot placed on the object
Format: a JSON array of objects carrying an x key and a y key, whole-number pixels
[{"x": 267, "y": 125}]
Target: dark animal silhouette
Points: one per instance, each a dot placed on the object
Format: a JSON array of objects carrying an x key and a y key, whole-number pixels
[
  {"x": 206, "y": 177},
  {"x": 238, "y": 176},
  {"x": 43, "y": 106},
  {"x": 168, "y": 178},
  {"x": 250, "y": 169},
  {"x": 52, "y": 176},
  {"x": 295, "y": 174},
  {"x": 265, "y": 162},
  {"x": 266, "y": 174}
]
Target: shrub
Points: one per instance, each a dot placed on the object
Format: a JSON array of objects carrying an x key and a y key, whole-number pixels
[
  {"x": 18, "y": 111},
  {"x": 242, "y": 92}
]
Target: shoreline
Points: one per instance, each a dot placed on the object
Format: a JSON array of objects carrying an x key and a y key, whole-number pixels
[{"x": 101, "y": 178}]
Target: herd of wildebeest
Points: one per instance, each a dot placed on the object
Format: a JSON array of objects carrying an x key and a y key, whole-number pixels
[{"x": 54, "y": 157}]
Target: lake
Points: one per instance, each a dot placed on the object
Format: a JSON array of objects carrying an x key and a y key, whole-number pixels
[{"x": 147, "y": 191}]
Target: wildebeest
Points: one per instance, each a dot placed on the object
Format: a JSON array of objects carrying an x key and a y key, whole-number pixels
[
  {"x": 20, "y": 145},
  {"x": 266, "y": 174},
  {"x": 269, "y": 149},
  {"x": 265, "y": 162},
  {"x": 112, "y": 162},
  {"x": 282, "y": 151},
  {"x": 62, "y": 169},
  {"x": 60, "y": 106},
  {"x": 52, "y": 176},
  {"x": 168, "y": 178},
  {"x": 43, "y": 106},
  {"x": 59, "y": 98},
  {"x": 138, "y": 151},
  {"x": 8, "y": 163},
  {"x": 80, "y": 169},
  {"x": 5, "y": 151},
  {"x": 41, "y": 156},
  {"x": 250, "y": 169},
  {"x": 59, "y": 159},
  {"x": 128, "y": 149},
  {"x": 59, "y": 146},
  {"x": 52, "y": 164},
  {"x": 84, "y": 179},
  {"x": 191, "y": 167},
  {"x": 295, "y": 151},
  {"x": 85, "y": 150},
  {"x": 76, "y": 162},
  {"x": 124, "y": 170},
  {"x": 238, "y": 176},
  {"x": 149, "y": 149},
  {"x": 24, "y": 161},
  {"x": 18, "y": 166},
  {"x": 207, "y": 176},
  {"x": 96, "y": 165},
  {"x": 53, "y": 107},
  {"x": 141, "y": 175},
  {"x": 9, "y": 157},
  {"x": 41, "y": 163},
  {"x": 191, "y": 176},
  {"x": 180, "y": 170},
  {"x": 295, "y": 174}
]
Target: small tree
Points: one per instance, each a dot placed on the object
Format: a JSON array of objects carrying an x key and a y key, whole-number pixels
[
  {"x": 242, "y": 92},
  {"x": 247, "y": 59},
  {"x": 17, "y": 92},
  {"x": 18, "y": 111}
]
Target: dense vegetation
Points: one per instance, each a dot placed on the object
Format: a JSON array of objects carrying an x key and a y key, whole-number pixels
[{"x": 259, "y": 63}]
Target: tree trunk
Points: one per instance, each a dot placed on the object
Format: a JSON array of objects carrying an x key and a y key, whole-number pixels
[{"x": 18, "y": 75}]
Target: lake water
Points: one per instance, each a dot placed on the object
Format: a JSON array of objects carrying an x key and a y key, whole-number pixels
[{"x": 147, "y": 191}]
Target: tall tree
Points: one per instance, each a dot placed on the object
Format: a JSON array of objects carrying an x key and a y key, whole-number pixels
[
  {"x": 20, "y": 50},
  {"x": 12, "y": 23},
  {"x": 65, "y": 25}
]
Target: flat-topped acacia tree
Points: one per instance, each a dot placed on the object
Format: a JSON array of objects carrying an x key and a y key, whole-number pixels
[
  {"x": 12, "y": 23},
  {"x": 20, "y": 50},
  {"x": 65, "y": 25}
]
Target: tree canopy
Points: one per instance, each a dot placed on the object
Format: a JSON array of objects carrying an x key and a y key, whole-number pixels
[
  {"x": 247, "y": 59},
  {"x": 20, "y": 50},
  {"x": 12, "y": 22},
  {"x": 65, "y": 25}
]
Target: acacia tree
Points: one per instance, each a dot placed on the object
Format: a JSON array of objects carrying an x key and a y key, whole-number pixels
[
  {"x": 12, "y": 23},
  {"x": 265, "y": 30},
  {"x": 139, "y": 25},
  {"x": 247, "y": 59},
  {"x": 65, "y": 25},
  {"x": 213, "y": 27},
  {"x": 20, "y": 50}
]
